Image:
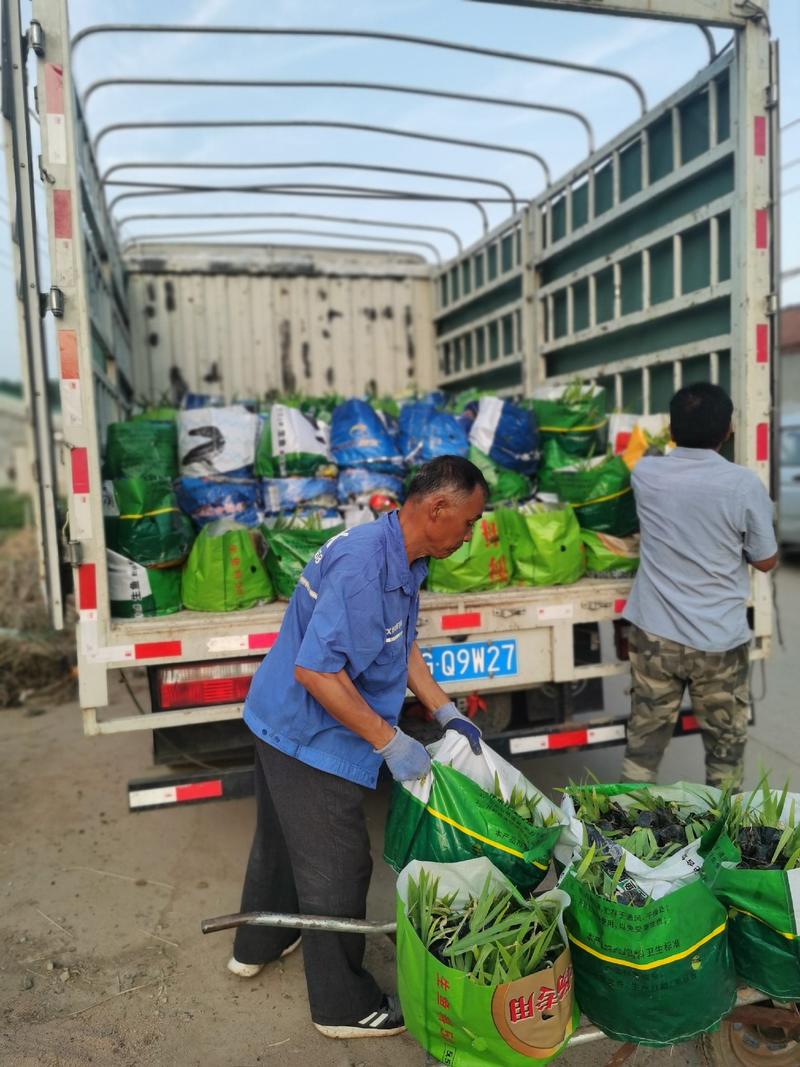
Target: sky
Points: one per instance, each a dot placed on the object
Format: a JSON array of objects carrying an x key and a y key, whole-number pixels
[{"x": 661, "y": 56}]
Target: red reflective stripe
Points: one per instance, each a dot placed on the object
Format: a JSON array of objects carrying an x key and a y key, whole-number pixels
[
  {"x": 62, "y": 213},
  {"x": 470, "y": 619},
  {"x": 68, "y": 354},
  {"x": 156, "y": 649},
  {"x": 762, "y": 342},
  {"x": 762, "y": 442},
  {"x": 87, "y": 587},
  {"x": 54, "y": 88},
  {"x": 762, "y": 228},
  {"x": 760, "y": 135},
  {"x": 79, "y": 460},
  {"x": 568, "y": 739},
  {"x": 261, "y": 640},
  {"x": 619, "y": 606},
  {"x": 199, "y": 790},
  {"x": 689, "y": 722}
]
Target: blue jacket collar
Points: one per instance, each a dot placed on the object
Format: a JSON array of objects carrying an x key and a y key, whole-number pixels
[{"x": 399, "y": 575}]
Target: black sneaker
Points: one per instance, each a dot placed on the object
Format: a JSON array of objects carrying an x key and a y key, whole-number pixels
[{"x": 386, "y": 1021}]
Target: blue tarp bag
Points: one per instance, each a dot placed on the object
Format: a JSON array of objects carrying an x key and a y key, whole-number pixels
[
  {"x": 285, "y": 495},
  {"x": 208, "y": 499},
  {"x": 354, "y": 483},
  {"x": 360, "y": 438},
  {"x": 426, "y": 433},
  {"x": 507, "y": 434}
]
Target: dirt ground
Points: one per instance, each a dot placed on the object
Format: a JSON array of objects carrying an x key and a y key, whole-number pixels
[{"x": 101, "y": 956}]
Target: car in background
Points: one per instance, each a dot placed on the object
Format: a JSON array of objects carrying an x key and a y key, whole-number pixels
[{"x": 789, "y": 498}]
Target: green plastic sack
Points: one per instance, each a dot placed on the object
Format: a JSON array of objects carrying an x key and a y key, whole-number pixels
[
  {"x": 764, "y": 909},
  {"x": 142, "y": 449},
  {"x": 454, "y": 814},
  {"x": 224, "y": 571},
  {"x": 658, "y": 974},
  {"x": 465, "y": 1024},
  {"x": 554, "y": 458},
  {"x": 292, "y": 444},
  {"x": 573, "y": 415},
  {"x": 504, "y": 484},
  {"x": 610, "y": 557},
  {"x": 135, "y": 592},
  {"x": 288, "y": 551},
  {"x": 143, "y": 521},
  {"x": 156, "y": 414},
  {"x": 546, "y": 546},
  {"x": 600, "y": 494},
  {"x": 484, "y": 562}
]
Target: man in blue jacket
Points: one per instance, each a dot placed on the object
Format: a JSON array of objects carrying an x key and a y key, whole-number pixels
[{"x": 323, "y": 707}]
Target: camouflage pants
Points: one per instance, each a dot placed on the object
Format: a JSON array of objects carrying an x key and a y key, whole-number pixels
[{"x": 718, "y": 687}]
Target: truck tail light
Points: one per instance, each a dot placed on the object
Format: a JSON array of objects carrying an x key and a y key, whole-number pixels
[{"x": 202, "y": 685}]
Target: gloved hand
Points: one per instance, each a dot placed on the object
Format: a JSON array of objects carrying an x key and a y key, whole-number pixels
[
  {"x": 450, "y": 718},
  {"x": 406, "y": 758}
]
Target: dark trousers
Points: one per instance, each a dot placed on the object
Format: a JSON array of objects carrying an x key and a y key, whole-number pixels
[{"x": 310, "y": 854}]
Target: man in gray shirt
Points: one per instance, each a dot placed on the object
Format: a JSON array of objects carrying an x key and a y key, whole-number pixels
[{"x": 703, "y": 520}]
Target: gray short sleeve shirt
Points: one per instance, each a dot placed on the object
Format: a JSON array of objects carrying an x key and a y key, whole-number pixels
[{"x": 702, "y": 518}]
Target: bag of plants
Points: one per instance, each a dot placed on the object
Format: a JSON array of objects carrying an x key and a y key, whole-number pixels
[
  {"x": 289, "y": 549},
  {"x": 134, "y": 592},
  {"x": 143, "y": 522},
  {"x": 214, "y": 442},
  {"x": 507, "y": 434},
  {"x": 473, "y": 805},
  {"x": 610, "y": 557},
  {"x": 483, "y": 973},
  {"x": 141, "y": 449},
  {"x": 574, "y": 416},
  {"x": 293, "y": 444},
  {"x": 545, "y": 544},
  {"x": 755, "y": 872},
  {"x": 360, "y": 485},
  {"x": 484, "y": 562},
  {"x": 426, "y": 432},
  {"x": 599, "y": 490},
  {"x": 361, "y": 438},
  {"x": 505, "y": 486},
  {"x": 554, "y": 458},
  {"x": 225, "y": 571},
  {"x": 209, "y": 499},
  {"x": 283, "y": 496}
]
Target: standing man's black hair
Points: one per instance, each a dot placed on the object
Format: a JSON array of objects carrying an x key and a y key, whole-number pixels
[
  {"x": 700, "y": 416},
  {"x": 453, "y": 473}
]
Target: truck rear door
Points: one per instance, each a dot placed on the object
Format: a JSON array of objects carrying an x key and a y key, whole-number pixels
[{"x": 30, "y": 305}]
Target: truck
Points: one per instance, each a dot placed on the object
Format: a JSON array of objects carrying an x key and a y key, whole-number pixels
[{"x": 651, "y": 264}]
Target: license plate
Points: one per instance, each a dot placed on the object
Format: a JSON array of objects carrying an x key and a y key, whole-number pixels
[{"x": 474, "y": 659}]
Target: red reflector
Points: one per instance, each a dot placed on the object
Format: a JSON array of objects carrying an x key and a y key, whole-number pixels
[
  {"x": 204, "y": 692},
  {"x": 470, "y": 619},
  {"x": 762, "y": 442},
  {"x": 68, "y": 354},
  {"x": 199, "y": 790},
  {"x": 156, "y": 649},
  {"x": 87, "y": 587},
  {"x": 62, "y": 214},
  {"x": 79, "y": 459},
  {"x": 619, "y": 606},
  {"x": 760, "y": 135},
  {"x": 567, "y": 739},
  {"x": 762, "y": 228},
  {"x": 762, "y": 342},
  {"x": 689, "y": 722},
  {"x": 261, "y": 640}
]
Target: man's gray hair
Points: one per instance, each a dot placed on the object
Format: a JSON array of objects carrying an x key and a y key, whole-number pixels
[{"x": 447, "y": 474}]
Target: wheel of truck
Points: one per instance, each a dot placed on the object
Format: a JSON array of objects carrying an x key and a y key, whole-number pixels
[
  {"x": 497, "y": 716},
  {"x": 738, "y": 1044}
]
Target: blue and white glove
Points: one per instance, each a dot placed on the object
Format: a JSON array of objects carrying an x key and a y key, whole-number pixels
[
  {"x": 406, "y": 758},
  {"x": 450, "y": 718}
]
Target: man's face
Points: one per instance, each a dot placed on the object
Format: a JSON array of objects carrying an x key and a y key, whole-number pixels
[{"x": 451, "y": 518}]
